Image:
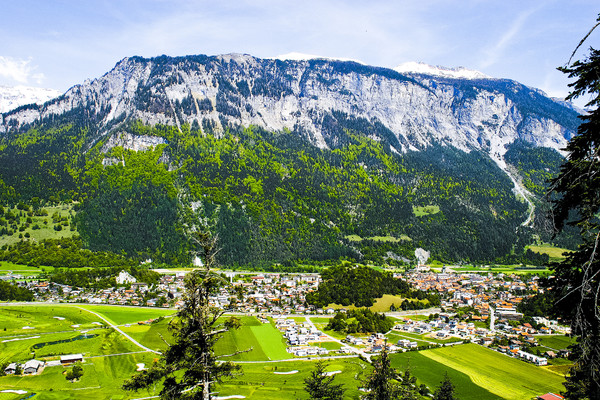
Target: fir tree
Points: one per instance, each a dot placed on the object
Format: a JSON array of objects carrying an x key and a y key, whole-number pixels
[
  {"x": 189, "y": 367},
  {"x": 576, "y": 281},
  {"x": 320, "y": 386}
]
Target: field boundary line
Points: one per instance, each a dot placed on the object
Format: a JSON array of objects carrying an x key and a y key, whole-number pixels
[{"x": 116, "y": 328}]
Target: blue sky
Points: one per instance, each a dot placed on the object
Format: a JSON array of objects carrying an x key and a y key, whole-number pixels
[{"x": 58, "y": 44}]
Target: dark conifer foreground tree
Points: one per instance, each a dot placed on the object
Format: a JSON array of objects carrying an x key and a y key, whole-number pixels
[
  {"x": 319, "y": 385},
  {"x": 577, "y": 280},
  {"x": 189, "y": 368}
]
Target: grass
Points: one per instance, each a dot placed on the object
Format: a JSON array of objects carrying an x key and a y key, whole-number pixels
[
  {"x": 555, "y": 342},
  {"x": 555, "y": 253},
  {"x": 150, "y": 335},
  {"x": 430, "y": 373},
  {"x": 128, "y": 314},
  {"x": 42, "y": 318},
  {"x": 260, "y": 382},
  {"x": 501, "y": 375},
  {"x": 381, "y": 304},
  {"x": 102, "y": 379},
  {"x": 46, "y": 230},
  {"x": 385, "y": 239},
  {"x": 425, "y": 210},
  {"x": 266, "y": 342}
]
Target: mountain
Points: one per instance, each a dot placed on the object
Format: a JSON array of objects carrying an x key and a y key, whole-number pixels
[
  {"x": 13, "y": 97},
  {"x": 296, "y": 154}
]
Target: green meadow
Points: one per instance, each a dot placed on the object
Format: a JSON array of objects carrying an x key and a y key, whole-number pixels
[
  {"x": 285, "y": 380},
  {"x": 431, "y": 373},
  {"x": 119, "y": 315},
  {"x": 265, "y": 340},
  {"x": 501, "y": 375}
]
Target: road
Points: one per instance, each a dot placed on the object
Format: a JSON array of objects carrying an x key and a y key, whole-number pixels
[
  {"x": 116, "y": 328},
  {"x": 359, "y": 352}
]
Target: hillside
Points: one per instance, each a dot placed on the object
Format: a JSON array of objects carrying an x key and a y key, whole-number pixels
[{"x": 291, "y": 157}]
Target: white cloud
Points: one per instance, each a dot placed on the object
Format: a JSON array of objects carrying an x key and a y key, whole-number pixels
[{"x": 19, "y": 70}]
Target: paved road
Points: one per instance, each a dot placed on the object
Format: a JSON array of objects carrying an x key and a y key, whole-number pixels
[
  {"x": 116, "y": 328},
  {"x": 359, "y": 352}
]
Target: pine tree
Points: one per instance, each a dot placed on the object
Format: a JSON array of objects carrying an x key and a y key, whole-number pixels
[
  {"x": 189, "y": 367},
  {"x": 320, "y": 386},
  {"x": 382, "y": 383},
  {"x": 445, "y": 391},
  {"x": 576, "y": 282}
]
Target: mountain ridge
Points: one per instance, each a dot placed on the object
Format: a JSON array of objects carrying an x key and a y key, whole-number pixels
[{"x": 293, "y": 156}]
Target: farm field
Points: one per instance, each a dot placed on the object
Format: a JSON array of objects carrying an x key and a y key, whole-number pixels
[
  {"x": 265, "y": 340},
  {"x": 501, "y": 375},
  {"x": 431, "y": 373}
]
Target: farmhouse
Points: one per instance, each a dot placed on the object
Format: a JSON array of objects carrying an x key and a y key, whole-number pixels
[
  {"x": 32, "y": 366},
  {"x": 71, "y": 358},
  {"x": 10, "y": 369}
]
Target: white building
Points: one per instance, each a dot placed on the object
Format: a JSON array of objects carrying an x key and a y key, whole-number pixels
[{"x": 124, "y": 277}]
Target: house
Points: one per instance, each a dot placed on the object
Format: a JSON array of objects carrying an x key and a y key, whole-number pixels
[
  {"x": 71, "y": 359},
  {"x": 124, "y": 277},
  {"x": 10, "y": 369},
  {"x": 31, "y": 367}
]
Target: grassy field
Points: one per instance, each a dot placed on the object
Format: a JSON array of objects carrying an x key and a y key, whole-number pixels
[
  {"x": 431, "y": 373},
  {"x": 425, "y": 210},
  {"x": 43, "y": 318},
  {"x": 555, "y": 253},
  {"x": 381, "y": 304},
  {"x": 266, "y": 342},
  {"x": 555, "y": 342},
  {"x": 261, "y": 381},
  {"x": 127, "y": 315},
  {"x": 44, "y": 223},
  {"x": 501, "y": 375},
  {"x": 25, "y": 270},
  {"x": 390, "y": 239},
  {"x": 102, "y": 379}
]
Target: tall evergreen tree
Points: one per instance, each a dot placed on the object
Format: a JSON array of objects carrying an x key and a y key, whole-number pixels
[
  {"x": 576, "y": 281},
  {"x": 189, "y": 367},
  {"x": 384, "y": 383},
  {"x": 320, "y": 386}
]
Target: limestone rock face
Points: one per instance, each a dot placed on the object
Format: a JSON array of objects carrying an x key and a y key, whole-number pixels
[{"x": 316, "y": 98}]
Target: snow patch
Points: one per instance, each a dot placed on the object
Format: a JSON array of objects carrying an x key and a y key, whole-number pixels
[
  {"x": 16, "y": 96},
  {"x": 412, "y": 67}
]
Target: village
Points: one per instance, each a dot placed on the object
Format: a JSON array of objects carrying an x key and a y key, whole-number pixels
[{"x": 476, "y": 307}]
